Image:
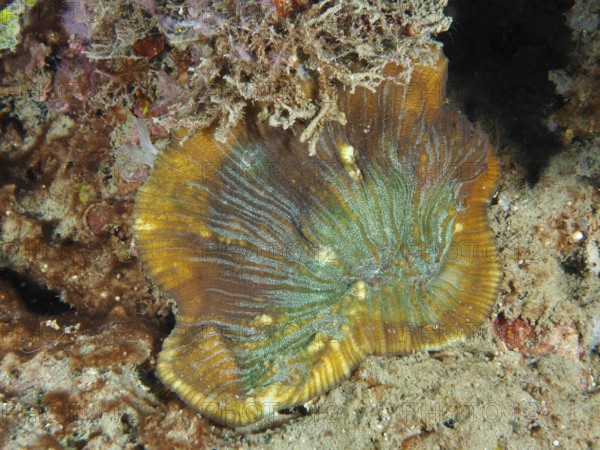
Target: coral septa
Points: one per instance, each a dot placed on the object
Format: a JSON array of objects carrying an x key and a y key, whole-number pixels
[{"x": 289, "y": 269}]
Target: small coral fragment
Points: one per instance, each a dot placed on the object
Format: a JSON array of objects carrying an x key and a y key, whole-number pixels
[{"x": 289, "y": 269}]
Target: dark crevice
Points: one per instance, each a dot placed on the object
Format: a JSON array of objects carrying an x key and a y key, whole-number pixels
[
  {"x": 575, "y": 264},
  {"x": 37, "y": 299},
  {"x": 500, "y": 52}
]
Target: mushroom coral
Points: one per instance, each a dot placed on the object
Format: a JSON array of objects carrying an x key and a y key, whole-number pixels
[{"x": 288, "y": 270}]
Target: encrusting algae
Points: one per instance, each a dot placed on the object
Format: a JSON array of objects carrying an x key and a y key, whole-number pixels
[{"x": 288, "y": 270}]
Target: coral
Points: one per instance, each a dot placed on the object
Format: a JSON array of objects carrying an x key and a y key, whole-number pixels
[
  {"x": 92, "y": 393},
  {"x": 288, "y": 270},
  {"x": 11, "y": 17},
  {"x": 65, "y": 210},
  {"x": 218, "y": 48},
  {"x": 78, "y": 319}
]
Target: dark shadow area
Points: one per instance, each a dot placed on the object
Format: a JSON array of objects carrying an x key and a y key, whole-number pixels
[
  {"x": 36, "y": 298},
  {"x": 500, "y": 52}
]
